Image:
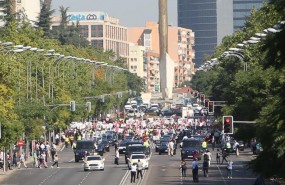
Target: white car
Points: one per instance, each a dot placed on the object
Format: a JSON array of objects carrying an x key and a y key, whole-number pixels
[
  {"x": 134, "y": 159},
  {"x": 93, "y": 162}
]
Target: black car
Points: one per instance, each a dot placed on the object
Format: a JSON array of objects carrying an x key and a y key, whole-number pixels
[
  {"x": 111, "y": 138},
  {"x": 105, "y": 144},
  {"x": 122, "y": 146},
  {"x": 101, "y": 149},
  {"x": 83, "y": 148},
  {"x": 190, "y": 147},
  {"x": 163, "y": 148},
  {"x": 136, "y": 148}
]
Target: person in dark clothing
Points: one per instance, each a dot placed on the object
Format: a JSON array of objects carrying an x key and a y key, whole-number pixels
[
  {"x": 14, "y": 159},
  {"x": 205, "y": 168},
  {"x": 224, "y": 155},
  {"x": 183, "y": 168}
]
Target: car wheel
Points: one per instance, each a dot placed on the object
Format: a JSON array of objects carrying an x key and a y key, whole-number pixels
[
  {"x": 103, "y": 169},
  {"x": 159, "y": 153},
  {"x": 76, "y": 160},
  {"x": 85, "y": 170}
]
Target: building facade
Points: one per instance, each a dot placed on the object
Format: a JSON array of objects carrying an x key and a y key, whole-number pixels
[
  {"x": 180, "y": 49},
  {"x": 100, "y": 30},
  {"x": 136, "y": 63},
  {"x": 27, "y": 10},
  {"x": 241, "y": 10},
  {"x": 212, "y": 20}
]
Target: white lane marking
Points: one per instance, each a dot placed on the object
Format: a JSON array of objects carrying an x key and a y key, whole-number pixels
[
  {"x": 225, "y": 182},
  {"x": 62, "y": 148},
  {"x": 84, "y": 178},
  {"x": 48, "y": 177},
  {"x": 124, "y": 179}
]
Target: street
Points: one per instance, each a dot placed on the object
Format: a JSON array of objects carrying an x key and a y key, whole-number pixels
[{"x": 163, "y": 170}]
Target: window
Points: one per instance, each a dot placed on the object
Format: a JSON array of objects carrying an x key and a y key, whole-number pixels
[
  {"x": 96, "y": 30},
  {"x": 84, "y": 31},
  {"x": 18, "y": 1},
  {"x": 97, "y": 43}
]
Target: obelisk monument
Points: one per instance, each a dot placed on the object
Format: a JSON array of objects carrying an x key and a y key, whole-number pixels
[{"x": 166, "y": 65}]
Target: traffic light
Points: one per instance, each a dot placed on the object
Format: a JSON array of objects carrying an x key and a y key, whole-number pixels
[
  {"x": 206, "y": 103},
  {"x": 88, "y": 106},
  {"x": 72, "y": 106},
  {"x": 228, "y": 124},
  {"x": 211, "y": 107}
]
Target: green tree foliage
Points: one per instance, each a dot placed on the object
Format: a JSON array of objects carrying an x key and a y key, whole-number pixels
[
  {"x": 45, "y": 19},
  {"x": 68, "y": 34},
  {"x": 36, "y": 87},
  {"x": 258, "y": 93}
]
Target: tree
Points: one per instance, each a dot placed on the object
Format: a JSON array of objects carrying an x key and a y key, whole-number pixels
[{"x": 45, "y": 19}]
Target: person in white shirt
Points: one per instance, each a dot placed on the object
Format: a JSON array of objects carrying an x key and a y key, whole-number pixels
[
  {"x": 230, "y": 169},
  {"x": 133, "y": 172},
  {"x": 22, "y": 161},
  {"x": 170, "y": 148}
]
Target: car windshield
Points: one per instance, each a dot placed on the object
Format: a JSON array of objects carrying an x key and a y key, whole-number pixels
[
  {"x": 164, "y": 144},
  {"x": 137, "y": 148},
  {"x": 85, "y": 145},
  {"x": 123, "y": 143},
  {"x": 93, "y": 158},
  {"x": 137, "y": 156},
  {"x": 191, "y": 143}
]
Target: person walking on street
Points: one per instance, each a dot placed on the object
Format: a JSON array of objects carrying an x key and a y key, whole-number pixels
[
  {"x": 35, "y": 156},
  {"x": 183, "y": 168},
  {"x": 117, "y": 157},
  {"x": 53, "y": 151},
  {"x": 14, "y": 159},
  {"x": 213, "y": 143},
  {"x": 208, "y": 153},
  {"x": 224, "y": 155},
  {"x": 230, "y": 169},
  {"x": 170, "y": 148},
  {"x": 8, "y": 157},
  {"x": 55, "y": 161},
  {"x": 195, "y": 168},
  {"x": 206, "y": 168},
  {"x": 218, "y": 156},
  {"x": 139, "y": 169},
  {"x": 133, "y": 173},
  {"x": 22, "y": 161},
  {"x": 236, "y": 147}
]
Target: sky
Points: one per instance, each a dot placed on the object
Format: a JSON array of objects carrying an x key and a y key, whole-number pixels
[{"x": 131, "y": 13}]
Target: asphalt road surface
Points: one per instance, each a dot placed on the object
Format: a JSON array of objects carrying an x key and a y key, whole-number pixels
[{"x": 163, "y": 169}]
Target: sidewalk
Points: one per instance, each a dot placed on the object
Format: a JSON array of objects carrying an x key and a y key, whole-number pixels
[{"x": 29, "y": 163}]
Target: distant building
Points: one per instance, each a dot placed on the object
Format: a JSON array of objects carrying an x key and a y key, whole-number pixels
[
  {"x": 136, "y": 63},
  {"x": 100, "y": 30},
  {"x": 212, "y": 20},
  {"x": 28, "y": 10},
  {"x": 241, "y": 10},
  {"x": 180, "y": 46}
]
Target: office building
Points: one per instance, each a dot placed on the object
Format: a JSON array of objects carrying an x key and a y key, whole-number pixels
[
  {"x": 241, "y": 9},
  {"x": 100, "y": 30},
  {"x": 180, "y": 49},
  {"x": 27, "y": 10},
  {"x": 212, "y": 20}
]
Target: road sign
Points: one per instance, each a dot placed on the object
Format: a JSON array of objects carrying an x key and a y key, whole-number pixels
[{"x": 20, "y": 143}]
